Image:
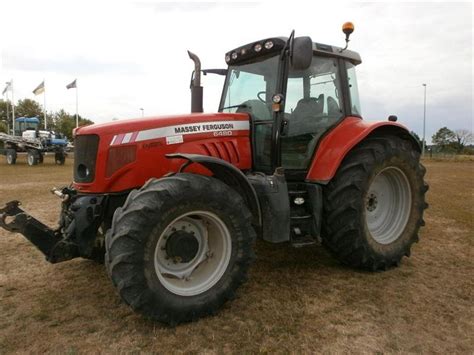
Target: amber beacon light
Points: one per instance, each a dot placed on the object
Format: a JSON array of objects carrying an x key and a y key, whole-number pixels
[{"x": 347, "y": 28}]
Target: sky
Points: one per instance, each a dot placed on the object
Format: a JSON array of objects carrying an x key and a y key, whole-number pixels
[{"x": 128, "y": 55}]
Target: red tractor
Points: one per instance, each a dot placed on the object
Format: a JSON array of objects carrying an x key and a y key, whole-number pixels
[{"x": 173, "y": 204}]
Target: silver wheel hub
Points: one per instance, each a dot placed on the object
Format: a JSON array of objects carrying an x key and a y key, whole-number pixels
[
  {"x": 193, "y": 253},
  {"x": 388, "y": 205}
]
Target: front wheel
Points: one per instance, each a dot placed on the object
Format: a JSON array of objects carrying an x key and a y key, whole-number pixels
[
  {"x": 180, "y": 247},
  {"x": 11, "y": 156},
  {"x": 374, "y": 205}
]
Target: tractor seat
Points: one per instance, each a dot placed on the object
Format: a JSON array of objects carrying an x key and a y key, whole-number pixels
[
  {"x": 333, "y": 107},
  {"x": 309, "y": 107},
  {"x": 306, "y": 117},
  {"x": 257, "y": 109}
]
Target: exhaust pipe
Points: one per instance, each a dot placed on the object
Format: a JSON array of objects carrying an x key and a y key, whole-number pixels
[{"x": 196, "y": 88}]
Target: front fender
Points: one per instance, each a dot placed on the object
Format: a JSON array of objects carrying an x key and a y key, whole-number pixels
[
  {"x": 335, "y": 145},
  {"x": 230, "y": 175}
]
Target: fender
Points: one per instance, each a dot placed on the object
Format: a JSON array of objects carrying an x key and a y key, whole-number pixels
[
  {"x": 230, "y": 175},
  {"x": 335, "y": 145}
]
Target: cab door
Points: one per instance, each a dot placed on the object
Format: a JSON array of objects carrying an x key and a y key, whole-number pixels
[{"x": 313, "y": 104}]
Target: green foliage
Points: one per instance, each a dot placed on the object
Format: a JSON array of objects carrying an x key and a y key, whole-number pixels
[
  {"x": 463, "y": 138},
  {"x": 64, "y": 123},
  {"x": 3, "y": 110},
  {"x": 3, "y": 127},
  {"x": 60, "y": 122},
  {"x": 28, "y": 108},
  {"x": 444, "y": 139}
]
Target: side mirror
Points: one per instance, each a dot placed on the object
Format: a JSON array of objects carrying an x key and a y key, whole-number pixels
[{"x": 301, "y": 53}]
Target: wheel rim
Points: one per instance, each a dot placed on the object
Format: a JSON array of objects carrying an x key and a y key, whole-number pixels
[
  {"x": 30, "y": 159},
  {"x": 388, "y": 205},
  {"x": 187, "y": 266},
  {"x": 9, "y": 159}
]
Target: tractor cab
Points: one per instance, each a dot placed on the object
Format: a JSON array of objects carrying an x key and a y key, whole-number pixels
[
  {"x": 23, "y": 124},
  {"x": 295, "y": 91}
]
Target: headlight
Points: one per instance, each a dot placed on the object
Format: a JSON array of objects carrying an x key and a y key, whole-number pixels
[
  {"x": 234, "y": 55},
  {"x": 257, "y": 47},
  {"x": 227, "y": 58},
  {"x": 268, "y": 44}
]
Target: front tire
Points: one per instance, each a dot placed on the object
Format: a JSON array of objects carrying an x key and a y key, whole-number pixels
[
  {"x": 11, "y": 156},
  {"x": 374, "y": 205},
  {"x": 180, "y": 247}
]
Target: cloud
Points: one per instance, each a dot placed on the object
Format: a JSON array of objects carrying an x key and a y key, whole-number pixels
[
  {"x": 77, "y": 65},
  {"x": 191, "y": 6},
  {"x": 129, "y": 54}
]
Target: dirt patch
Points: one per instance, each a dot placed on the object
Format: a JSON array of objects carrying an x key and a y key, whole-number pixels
[{"x": 296, "y": 300}]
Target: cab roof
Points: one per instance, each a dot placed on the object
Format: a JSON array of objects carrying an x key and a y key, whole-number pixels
[{"x": 247, "y": 53}]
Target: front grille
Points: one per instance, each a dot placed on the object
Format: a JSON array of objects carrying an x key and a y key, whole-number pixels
[{"x": 85, "y": 155}]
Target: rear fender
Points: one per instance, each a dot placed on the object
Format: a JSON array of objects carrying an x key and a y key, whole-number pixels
[
  {"x": 230, "y": 175},
  {"x": 335, "y": 146}
]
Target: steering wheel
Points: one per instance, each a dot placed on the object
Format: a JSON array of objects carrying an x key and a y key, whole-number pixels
[{"x": 258, "y": 96}]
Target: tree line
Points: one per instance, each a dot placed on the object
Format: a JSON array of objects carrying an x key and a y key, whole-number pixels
[
  {"x": 59, "y": 121},
  {"x": 448, "y": 141},
  {"x": 445, "y": 140}
]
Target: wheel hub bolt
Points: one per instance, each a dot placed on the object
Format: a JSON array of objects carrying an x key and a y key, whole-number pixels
[{"x": 371, "y": 202}]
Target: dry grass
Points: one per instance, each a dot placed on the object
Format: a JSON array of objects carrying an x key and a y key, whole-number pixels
[{"x": 295, "y": 301}]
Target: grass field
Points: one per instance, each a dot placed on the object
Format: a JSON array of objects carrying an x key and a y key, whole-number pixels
[{"x": 296, "y": 300}]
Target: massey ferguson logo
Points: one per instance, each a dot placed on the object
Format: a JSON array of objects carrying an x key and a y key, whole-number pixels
[
  {"x": 203, "y": 128},
  {"x": 174, "y": 134}
]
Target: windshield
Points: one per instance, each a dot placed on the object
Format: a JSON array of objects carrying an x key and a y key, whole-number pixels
[{"x": 250, "y": 87}]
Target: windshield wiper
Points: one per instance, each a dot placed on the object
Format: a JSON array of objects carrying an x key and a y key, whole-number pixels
[{"x": 234, "y": 106}]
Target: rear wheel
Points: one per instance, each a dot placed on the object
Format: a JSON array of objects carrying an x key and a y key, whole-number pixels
[
  {"x": 11, "y": 156},
  {"x": 33, "y": 157},
  {"x": 374, "y": 205},
  {"x": 59, "y": 158},
  {"x": 180, "y": 247}
]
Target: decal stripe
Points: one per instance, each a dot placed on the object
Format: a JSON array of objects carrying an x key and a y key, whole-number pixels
[
  {"x": 126, "y": 138},
  {"x": 134, "y": 137},
  {"x": 192, "y": 128},
  {"x": 119, "y": 139},
  {"x": 180, "y": 130},
  {"x": 114, "y": 140}
]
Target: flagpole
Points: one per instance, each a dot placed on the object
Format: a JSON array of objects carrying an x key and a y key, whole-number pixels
[
  {"x": 77, "y": 115},
  {"x": 13, "y": 106},
  {"x": 44, "y": 106},
  {"x": 8, "y": 113}
]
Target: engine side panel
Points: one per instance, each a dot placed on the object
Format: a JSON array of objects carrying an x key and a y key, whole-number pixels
[
  {"x": 335, "y": 145},
  {"x": 134, "y": 151}
]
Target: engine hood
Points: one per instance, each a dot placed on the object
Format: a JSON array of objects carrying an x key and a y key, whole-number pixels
[
  {"x": 148, "y": 123},
  {"x": 122, "y": 155}
]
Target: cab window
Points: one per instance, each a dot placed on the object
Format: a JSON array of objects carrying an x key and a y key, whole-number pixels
[
  {"x": 313, "y": 104},
  {"x": 353, "y": 89}
]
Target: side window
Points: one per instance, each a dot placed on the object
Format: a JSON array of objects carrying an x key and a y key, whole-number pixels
[
  {"x": 324, "y": 88},
  {"x": 312, "y": 105},
  {"x": 294, "y": 93},
  {"x": 354, "y": 91}
]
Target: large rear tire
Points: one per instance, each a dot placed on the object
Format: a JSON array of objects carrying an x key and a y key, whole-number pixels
[
  {"x": 180, "y": 247},
  {"x": 373, "y": 207}
]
